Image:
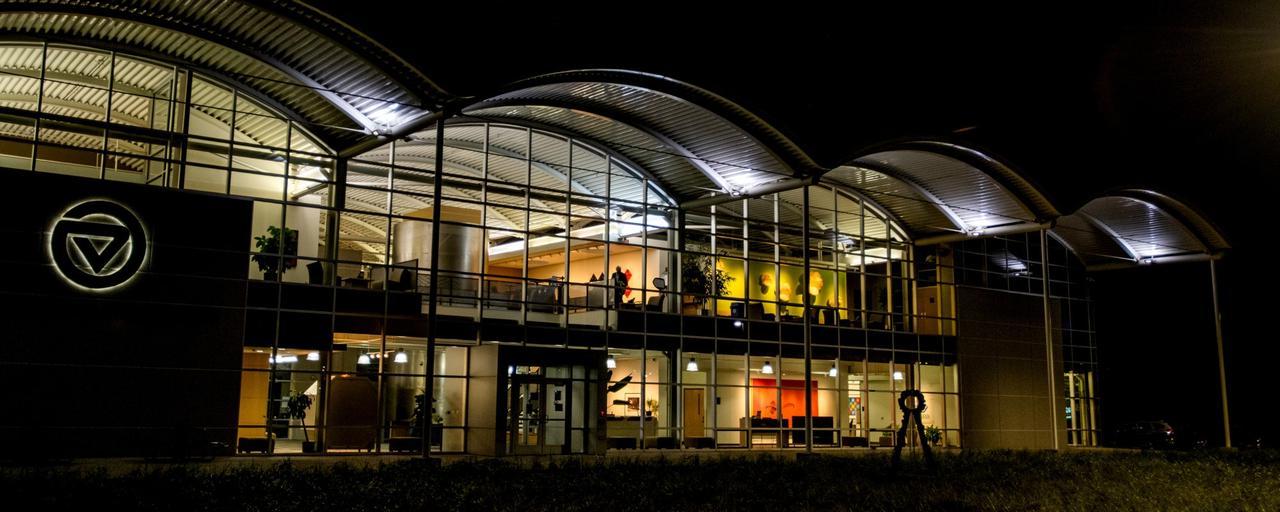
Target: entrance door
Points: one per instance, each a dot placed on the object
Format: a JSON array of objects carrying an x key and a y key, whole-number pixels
[
  {"x": 695, "y": 420},
  {"x": 540, "y": 409}
]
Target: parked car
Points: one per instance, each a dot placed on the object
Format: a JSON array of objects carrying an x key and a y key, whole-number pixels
[{"x": 1155, "y": 434}]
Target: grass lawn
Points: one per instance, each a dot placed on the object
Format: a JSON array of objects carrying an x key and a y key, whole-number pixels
[{"x": 999, "y": 480}]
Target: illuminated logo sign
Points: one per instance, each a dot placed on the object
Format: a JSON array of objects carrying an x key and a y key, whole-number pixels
[{"x": 98, "y": 244}]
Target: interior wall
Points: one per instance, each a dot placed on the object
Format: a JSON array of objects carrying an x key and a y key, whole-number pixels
[
  {"x": 483, "y": 402},
  {"x": 253, "y": 395},
  {"x": 1004, "y": 387}
]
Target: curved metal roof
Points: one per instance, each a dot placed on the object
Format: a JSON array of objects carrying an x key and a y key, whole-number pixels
[
  {"x": 300, "y": 60},
  {"x": 76, "y": 86},
  {"x": 694, "y": 145},
  {"x": 731, "y": 150},
  {"x": 1132, "y": 227},
  {"x": 937, "y": 188}
]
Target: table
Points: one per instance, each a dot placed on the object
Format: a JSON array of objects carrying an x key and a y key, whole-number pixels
[{"x": 356, "y": 282}]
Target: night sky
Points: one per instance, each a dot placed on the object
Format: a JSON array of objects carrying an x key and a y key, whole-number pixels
[{"x": 1080, "y": 100}]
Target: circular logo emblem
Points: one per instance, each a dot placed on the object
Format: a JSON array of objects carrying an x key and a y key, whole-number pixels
[{"x": 98, "y": 244}]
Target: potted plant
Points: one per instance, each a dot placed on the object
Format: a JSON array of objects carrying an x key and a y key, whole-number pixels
[
  {"x": 298, "y": 405},
  {"x": 933, "y": 435},
  {"x": 700, "y": 277},
  {"x": 271, "y": 246}
]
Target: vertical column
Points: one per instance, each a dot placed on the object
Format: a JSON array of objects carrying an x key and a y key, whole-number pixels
[
  {"x": 524, "y": 264},
  {"x": 1055, "y": 402},
  {"x": 186, "y": 130},
  {"x": 35, "y": 137},
  {"x": 1222, "y": 366},
  {"x": 106, "y": 130},
  {"x": 386, "y": 298},
  {"x": 808, "y": 326},
  {"x": 433, "y": 286}
]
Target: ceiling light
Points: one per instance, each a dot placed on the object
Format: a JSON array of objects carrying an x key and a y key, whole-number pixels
[
  {"x": 610, "y": 362},
  {"x": 313, "y": 356},
  {"x": 766, "y": 368},
  {"x": 692, "y": 366},
  {"x": 271, "y": 359},
  {"x": 287, "y": 359},
  {"x": 364, "y": 359},
  {"x": 401, "y": 357},
  {"x": 833, "y": 372},
  {"x": 898, "y": 376}
]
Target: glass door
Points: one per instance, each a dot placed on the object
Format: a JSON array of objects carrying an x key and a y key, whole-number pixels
[
  {"x": 539, "y": 414},
  {"x": 526, "y": 415}
]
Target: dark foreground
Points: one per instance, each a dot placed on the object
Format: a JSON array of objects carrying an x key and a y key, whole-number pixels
[{"x": 1093, "y": 481}]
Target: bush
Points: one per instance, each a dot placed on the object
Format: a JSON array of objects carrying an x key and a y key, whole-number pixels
[{"x": 997, "y": 480}]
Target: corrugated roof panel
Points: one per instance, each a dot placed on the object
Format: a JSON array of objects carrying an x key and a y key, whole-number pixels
[
  {"x": 1144, "y": 227},
  {"x": 680, "y": 127},
  {"x": 288, "y": 51},
  {"x": 918, "y": 214},
  {"x": 970, "y": 194}
]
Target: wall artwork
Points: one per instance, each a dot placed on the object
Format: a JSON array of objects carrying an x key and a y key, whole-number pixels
[{"x": 765, "y": 400}]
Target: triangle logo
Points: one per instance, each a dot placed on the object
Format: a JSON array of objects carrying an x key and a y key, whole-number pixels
[{"x": 99, "y": 244}]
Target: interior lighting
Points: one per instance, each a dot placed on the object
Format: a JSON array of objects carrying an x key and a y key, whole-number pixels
[
  {"x": 833, "y": 372},
  {"x": 313, "y": 356},
  {"x": 766, "y": 368},
  {"x": 898, "y": 376},
  {"x": 692, "y": 366},
  {"x": 364, "y": 359},
  {"x": 610, "y": 362},
  {"x": 401, "y": 357}
]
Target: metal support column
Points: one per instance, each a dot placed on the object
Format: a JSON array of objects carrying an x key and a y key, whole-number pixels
[
  {"x": 808, "y": 336},
  {"x": 1222, "y": 366},
  {"x": 433, "y": 287},
  {"x": 1055, "y": 403}
]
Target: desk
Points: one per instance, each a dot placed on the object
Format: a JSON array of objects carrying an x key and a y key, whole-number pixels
[
  {"x": 766, "y": 427},
  {"x": 356, "y": 282}
]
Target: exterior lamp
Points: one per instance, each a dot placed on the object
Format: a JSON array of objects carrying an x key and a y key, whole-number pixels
[
  {"x": 692, "y": 366},
  {"x": 364, "y": 359},
  {"x": 833, "y": 372},
  {"x": 313, "y": 356},
  {"x": 766, "y": 368},
  {"x": 610, "y": 362},
  {"x": 898, "y": 376},
  {"x": 401, "y": 357}
]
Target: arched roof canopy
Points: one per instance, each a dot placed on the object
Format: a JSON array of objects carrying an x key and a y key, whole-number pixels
[
  {"x": 1134, "y": 227},
  {"x": 340, "y": 84},
  {"x": 691, "y": 141},
  {"x": 940, "y": 191}
]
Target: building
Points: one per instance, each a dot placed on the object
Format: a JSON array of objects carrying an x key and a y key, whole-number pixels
[{"x": 250, "y": 228}]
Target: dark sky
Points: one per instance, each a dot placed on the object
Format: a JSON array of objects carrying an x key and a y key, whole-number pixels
[{"x": 1081, "y": 99}]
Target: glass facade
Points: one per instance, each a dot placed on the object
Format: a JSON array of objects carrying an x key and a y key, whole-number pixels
[
  {"x": 1012, "y": 263},
  {"x": 705, "y": 316}
]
